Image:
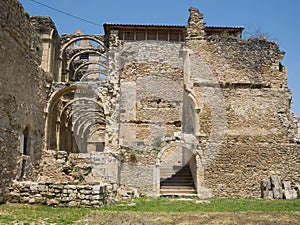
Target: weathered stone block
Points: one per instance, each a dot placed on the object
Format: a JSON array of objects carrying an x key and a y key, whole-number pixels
[
  {"x": 39, "y": 199},
  {"x": 65, "y": 199},
  {"x": 96, "y": 190},
  {"x": 275, "y": 181},
  {"x": 95, "y": 197},
  {"x": 42, "y": 188},
  {"x": 25, "y": 199},
  {"x": 286, "y": 185},
  {"x": 95, "y": 203},
  {"x": 290, "y": 194},
  {"x": 265, "y": 185},
  {"x": 73, "y": 204},
  {"x": 267, "y": 194},
  {"x": 81, "y": 196},
  {"x": 34, "y": 188},
  {"x": 84, "y": 191},
  {"x": 72, "y": 197},
  {"x": 277, "y": 193},
  {"x": 31, "y": 200},
  {"x": 85, "y": 202},
  {"x": 52, "y": 202},
  {"x": 50, "y": 195},
  {"x": 297, "y": 187},
  {"x": 73, "y": 187},
  {"x": 57, "y": 190}
]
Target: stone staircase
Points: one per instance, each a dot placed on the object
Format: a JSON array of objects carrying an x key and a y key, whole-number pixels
[{"x": 179, "y": 183}]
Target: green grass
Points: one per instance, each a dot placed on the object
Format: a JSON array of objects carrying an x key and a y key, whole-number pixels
[
  {"x": 37, "y": 214},
  {"x": 214, "y": 205}
]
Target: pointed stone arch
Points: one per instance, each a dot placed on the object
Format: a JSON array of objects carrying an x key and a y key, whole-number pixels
[{"x": 100, "y": 64}]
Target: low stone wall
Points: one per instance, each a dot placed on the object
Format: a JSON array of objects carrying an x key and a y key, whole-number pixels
[{"x": 59, "y": 194}]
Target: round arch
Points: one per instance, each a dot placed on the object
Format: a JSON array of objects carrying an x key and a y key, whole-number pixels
[
  {"x": 93, "y": 132},
  {"x": 90, "y": 63},
  {"x": 83, "y": 110},
  {"x": 86, "y": 118},
  {"x": 83, "y": 52},
  {"x": 191, "y": 147},
  {"x": 87, "y": 128},
  {"x": 79, "y": 38},
  {"x": 92, "y": 72},
  {"x": 54, "y": 98},
  {"x": 78, "y": 100}
]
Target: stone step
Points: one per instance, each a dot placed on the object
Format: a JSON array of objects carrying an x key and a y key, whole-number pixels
[
  {"x": 172, "y": 191},
  {"x": 178, "y": 184},
  {"x": 182, "y": 175},
  {"x": 177, "y": 174},
  {"x": 178, "y": 178},
  {"x": 178, "y": 188},
  {"x": 181, "y": 195},
  {"x": 172, "y": 169}
]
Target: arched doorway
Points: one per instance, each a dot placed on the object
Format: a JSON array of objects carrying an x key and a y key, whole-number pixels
[{"x": 178, "y": 170}]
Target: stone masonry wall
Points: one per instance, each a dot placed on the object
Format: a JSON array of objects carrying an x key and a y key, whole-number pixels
[
  {"x": 59, "y": 194},
  {"x": 239, "y": 167},
  {"x": 257, "y": 139},
  {"x": 24, "y": 88},
  {"x": 151, "y": 92}
]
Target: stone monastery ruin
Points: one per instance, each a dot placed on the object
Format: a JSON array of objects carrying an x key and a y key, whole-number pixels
[{"x": 141, "y": 110}]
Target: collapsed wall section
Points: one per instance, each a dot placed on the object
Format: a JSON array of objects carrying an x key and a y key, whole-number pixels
[{"x": 24, "y": 88}]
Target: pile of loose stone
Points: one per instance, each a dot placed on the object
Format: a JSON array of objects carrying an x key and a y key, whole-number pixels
[{"x": 274, "y": 188}]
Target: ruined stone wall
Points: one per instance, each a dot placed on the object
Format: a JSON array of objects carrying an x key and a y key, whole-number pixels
[
  {"x": 298, "y": 130},
  {"x": 257, "y": 139},
  {"x": 151, "y": 92},
  {"x": 239, "y": 167},
  {"x": 23, "y": 94},
  {"x": 49, "y": 44}
]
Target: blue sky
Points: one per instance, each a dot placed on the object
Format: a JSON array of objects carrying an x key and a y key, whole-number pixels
[{"x": 279, "y": 19}]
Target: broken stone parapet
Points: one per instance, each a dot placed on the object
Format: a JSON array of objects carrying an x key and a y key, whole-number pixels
[
  {"x": 196, "y": 25},
  {"x": 274, "y": 188}
]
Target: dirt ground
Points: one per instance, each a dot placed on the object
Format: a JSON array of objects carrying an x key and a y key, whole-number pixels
[{"x": 190, "y": 218}]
